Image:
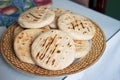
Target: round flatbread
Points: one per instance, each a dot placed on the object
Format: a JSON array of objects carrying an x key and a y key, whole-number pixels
[
  {"x": 53, "y": 50},
  {"x": 82, "y": 48},
  {"x": 23, "y": 41},
  {"x": 78, "y": 27},
  {"x": 36, "y": 17},
  {"x": 58, "y": 12}
]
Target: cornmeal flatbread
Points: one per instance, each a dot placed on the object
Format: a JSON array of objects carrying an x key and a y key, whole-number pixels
[
  {"x": 78, "y": 27},
  {"x": 53, "y": 50},
  {"x": 58, "y": 12},
  {"x": 23, "y": 42},
  {"x": 36, "y": 17},
  {"x": 82, "y": 48}
]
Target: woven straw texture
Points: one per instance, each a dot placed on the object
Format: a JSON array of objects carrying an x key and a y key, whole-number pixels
[{"x": 97, "y": 49}]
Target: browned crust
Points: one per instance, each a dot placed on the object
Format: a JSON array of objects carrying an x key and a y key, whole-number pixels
[{"x": 97, "y": 49}]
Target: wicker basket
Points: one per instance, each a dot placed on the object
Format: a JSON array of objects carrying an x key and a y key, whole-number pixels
[{"x": 97, "y": 49}]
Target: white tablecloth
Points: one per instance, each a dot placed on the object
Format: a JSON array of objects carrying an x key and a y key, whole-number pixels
[
  {"x": 107, "y": 24},
  {"x": 107, "y": 68}
]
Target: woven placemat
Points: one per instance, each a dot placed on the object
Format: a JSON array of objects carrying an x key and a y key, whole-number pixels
[{"x": 97, "y": 49}]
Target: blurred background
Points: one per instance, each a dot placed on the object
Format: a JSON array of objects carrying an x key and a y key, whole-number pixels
[
  {"x": 10, "y": 9},
  {"x": 107, "y": 7}
]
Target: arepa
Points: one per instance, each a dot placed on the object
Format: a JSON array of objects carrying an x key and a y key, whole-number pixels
[
  {"x": 53, "y": 50},
  {"x": 77, "y": 26},
  {"x": 82, "y": 48},
  {"x": 23, "y": 41},
  {"x": 58, "y": 12},
  {"x": 36, "y": 17}
]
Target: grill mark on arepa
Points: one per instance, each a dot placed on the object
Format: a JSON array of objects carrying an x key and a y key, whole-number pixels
[
  {"x": 49, "y": 39},
  {"x": 53, "y": 61},
  {"x": 69, "y": 45},
  {"x": 53, "y": 49},
  {"x": 28, "y": 16},
  {"x": 34, "y": 16},
  {"x": 84, "y": 32},
  {"x": 75, "y": 23},
  {"x": 51, "y": 53},
  {"x": 35, "y": 20},
  {"x": 72, "y": 26},
  {"x": 58, "y": 51},
  {"x": 37, "y": 55},
  {"x": 44, "y": 42},
  {"x": 82, "y": 25},
  {"x": 88, "y": 29},
  {"x": 41, "y": 55},
  {"x": 50, "y": 42}
]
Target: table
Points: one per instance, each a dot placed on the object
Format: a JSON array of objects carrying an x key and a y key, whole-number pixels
[{"x": 109, "y": 26}]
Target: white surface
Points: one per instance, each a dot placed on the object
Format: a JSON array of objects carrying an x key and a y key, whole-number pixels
[
  {"x": 107, "y": 68},
  {"x": 108, "y": 25}
]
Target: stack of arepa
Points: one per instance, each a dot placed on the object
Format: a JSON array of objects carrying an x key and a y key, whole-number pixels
[{"x": 52, "y": 38}]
